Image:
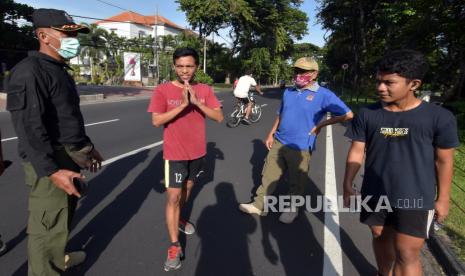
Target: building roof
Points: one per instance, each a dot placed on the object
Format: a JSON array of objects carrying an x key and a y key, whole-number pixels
[{"x": 133, "y": 17}]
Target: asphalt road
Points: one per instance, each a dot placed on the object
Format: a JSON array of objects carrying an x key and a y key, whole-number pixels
[{"x": 120, "y": 222}]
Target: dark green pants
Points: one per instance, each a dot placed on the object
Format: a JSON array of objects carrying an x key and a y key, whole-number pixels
[{"x": 50, "y": 214}]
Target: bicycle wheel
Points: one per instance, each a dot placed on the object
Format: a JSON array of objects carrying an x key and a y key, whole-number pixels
[
  {"x": 256, "y": 113},
  {"x": 235, "y": 118}
]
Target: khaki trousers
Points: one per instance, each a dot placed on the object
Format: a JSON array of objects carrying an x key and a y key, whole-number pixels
[{"x": 280, "y": 159}]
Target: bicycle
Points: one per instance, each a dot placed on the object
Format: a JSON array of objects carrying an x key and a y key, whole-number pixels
[{"x": 239, "y": 112}]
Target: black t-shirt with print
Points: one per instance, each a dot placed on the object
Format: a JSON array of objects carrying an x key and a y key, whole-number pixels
[{"x": 400, "y": 151}]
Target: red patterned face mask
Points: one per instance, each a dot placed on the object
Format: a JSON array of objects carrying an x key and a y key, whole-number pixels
[{"x": 301, "y": 81}]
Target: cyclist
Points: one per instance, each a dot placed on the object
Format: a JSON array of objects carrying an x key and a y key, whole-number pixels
[{"x": 241, "y": 92}]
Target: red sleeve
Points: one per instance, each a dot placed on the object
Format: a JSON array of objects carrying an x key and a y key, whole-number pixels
[
  {"x": 157, "y": 102},
  {"x": 211, "y": 100}
]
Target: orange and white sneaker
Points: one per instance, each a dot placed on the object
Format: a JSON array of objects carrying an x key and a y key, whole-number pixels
[{"x": 173, "y": 260}]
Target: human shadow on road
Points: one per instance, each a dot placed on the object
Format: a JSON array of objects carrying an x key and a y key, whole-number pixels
[
  {"x": 355, "y": 256},
  {"x": 16, "y": 240},
  {"x": 213, "y": 153},
  {"x": 98, "y": 188},
  {"x": 105, "y": 182},
  {"x": 104, "y": 226},
  {"x": 258, "y": 156},
  {"x": 22, "y": 270},
  {"x": 299, "y": 251},
  {"x": 223, "y": 233}
]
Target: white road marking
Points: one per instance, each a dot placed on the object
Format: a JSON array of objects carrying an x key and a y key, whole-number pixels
[
  {"x": 103, "y": 122},
  {"x": 91, "y": 124},
  {"x": 9, "y": 139},
  {"x": 332, "y": 264},
  {"x": 119, "y": 157},
  {"x": 263, "y": 105}
]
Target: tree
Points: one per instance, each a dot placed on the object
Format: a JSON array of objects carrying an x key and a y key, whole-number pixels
[
  {"x": 206, "y": 16},
  {"x": 259, "y": 62},
  {"x": 221, "y": 64},
  {"x": 305, "y": 50},
  {"x": 362, "y": 31},
  {"x": 93, "y": 48},
  {"x": 254, "y": 24},
  {"x": 16, "y": 37}
]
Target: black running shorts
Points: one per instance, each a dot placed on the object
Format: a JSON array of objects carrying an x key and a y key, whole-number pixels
[
  {"x": 413, "y": 222},
  {"x": 178, "y": 172}
]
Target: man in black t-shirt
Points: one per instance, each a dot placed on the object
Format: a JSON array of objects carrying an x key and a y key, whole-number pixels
[{"x": 409, "y": 147}]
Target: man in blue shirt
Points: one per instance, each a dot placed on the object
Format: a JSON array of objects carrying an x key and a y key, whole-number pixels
[{"x": 293, "y": 135}]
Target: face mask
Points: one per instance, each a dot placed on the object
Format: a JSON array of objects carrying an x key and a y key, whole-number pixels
[
  {"x": 69, "y": 47},
  {"x": 301, "y": 81}
]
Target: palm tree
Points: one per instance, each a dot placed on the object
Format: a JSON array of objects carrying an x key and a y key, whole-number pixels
[
  {"x": 167, "y": 43},
  {"x": 93, "y": 46},
  {"x": 113, "y": 65}
]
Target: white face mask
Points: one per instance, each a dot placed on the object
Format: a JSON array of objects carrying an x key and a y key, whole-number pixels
[{"x": 69, "y": 46}]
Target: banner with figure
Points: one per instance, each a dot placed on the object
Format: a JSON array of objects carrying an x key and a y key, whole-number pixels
[{"x": 132, "y": 66}]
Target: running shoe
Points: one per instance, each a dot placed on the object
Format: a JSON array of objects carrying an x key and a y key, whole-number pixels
[
  {"x": 249, "y": 208},
  {"x": 186, "y": 227},
  {"x": 173, "y": 260}
]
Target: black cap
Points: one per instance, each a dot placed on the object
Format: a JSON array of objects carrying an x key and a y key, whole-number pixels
[{"x": 56, "y": 19}]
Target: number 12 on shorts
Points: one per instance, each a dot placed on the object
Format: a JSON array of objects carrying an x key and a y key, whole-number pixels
[{"x": 178, "y": 177}]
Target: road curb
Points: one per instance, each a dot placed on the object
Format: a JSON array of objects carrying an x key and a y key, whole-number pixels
[
  {"x": 83, "y": 99},
  {"x": 91, "y": 98},
  {"x": 445, "y": 256},
  {"x": 101, "y": 98}
]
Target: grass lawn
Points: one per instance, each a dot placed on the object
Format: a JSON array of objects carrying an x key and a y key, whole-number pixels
[
  {"x": 222, "y": 87},
  {"x": 356, "y": 105},
  {"x": 455, "y": 223}
]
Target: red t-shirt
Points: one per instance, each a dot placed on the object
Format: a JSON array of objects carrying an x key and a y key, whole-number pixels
[{"x": 184, "y": 136}]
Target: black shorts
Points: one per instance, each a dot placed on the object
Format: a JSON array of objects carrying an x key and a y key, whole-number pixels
[
  {"x": 417, "y": 223},
  {"x": 243, "y": 100},
  {"x": 178, "y": 172}
]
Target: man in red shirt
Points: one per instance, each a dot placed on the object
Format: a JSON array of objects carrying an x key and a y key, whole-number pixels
[{"x": 181, "y": 107}]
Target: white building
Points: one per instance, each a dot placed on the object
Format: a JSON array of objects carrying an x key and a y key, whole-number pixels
[{"x": 132, "y": 25}]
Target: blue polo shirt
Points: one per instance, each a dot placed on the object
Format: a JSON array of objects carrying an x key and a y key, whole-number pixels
[{"x": 301, "y": 110}]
